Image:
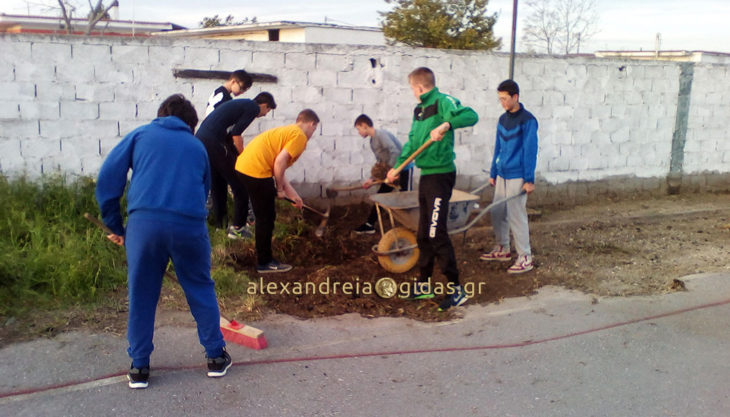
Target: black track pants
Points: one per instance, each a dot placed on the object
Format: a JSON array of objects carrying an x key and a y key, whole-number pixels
[
  {"x": 222, "y": 158},
  {"x": 263, "y": 202},
  {"x": 434, "y": 193}
]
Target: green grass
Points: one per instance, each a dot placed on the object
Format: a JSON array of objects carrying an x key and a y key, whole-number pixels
[{"x": 50, "y": 256}]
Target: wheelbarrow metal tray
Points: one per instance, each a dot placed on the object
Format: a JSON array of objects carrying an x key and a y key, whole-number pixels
[{"x": 404, "y": 206}]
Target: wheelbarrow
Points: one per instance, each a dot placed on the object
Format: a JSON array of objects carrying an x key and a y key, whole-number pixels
[{"x": 397, "y": 249}]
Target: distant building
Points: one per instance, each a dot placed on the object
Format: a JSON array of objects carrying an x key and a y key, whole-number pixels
[
  {"x": 56, "y": 25},
  {"x": 678, "y": 56},
  {"x": 287, "y": 31}
]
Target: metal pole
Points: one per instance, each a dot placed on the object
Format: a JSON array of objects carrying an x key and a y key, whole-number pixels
[{"x": 512, "y": 46}]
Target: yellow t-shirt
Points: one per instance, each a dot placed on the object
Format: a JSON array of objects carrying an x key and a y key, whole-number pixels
[{"x": 257, "y": 158}]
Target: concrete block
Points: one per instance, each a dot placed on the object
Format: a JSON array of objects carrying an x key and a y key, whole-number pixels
[
  {"x": 34, "y": 71},
  {"x": 91, "y": 54},
  {"x": 130, "y": 54},
  {"x": 54, "y": 90},
  {"x": 106, "y": 144},
  {"x": 267, "y": 61},
  {"x": 117, "y": 111},
  {"x": 79, "y": 110},
  {"x": 39, "y": 110},
  {"x": 14, "y": 51},
  {"x": 94, "y": 92},
  {"x": 79, "y": 148},
  {"x": 75, "y": 72},
  {"x": 322, "y": 78},
  {"x": 293, "y": 78},
  {"x": 63, "y": 128},
  {"x": 113, "y": 72},
  {"x": 35, "y": 147},
  {"x": 233, "y": 59},
  {"x": 7, "y": 72},
  {"x": 91, "y": 165},
  {"x": 169, "y": 56},
  {"x": 334, "y": 62},
  {"x": 300, "y": 61},
  {"x": 52, "y": 53},
  {"x": 201, "y": 58},
  {"x": 9, "y": 110},
  {"x": 15, "y": 91},
  {"x": 19, "y": 128}
]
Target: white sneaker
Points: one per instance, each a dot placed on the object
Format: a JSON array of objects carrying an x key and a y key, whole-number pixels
[
  {"x": 498, "y": 253},
  {"x": 522, "y": 264}
]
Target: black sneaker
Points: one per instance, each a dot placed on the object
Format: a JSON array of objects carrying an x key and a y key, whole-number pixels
[
  {"x": 217, "y": 367},
  {"x": 365, "y": 229},
  {"x": 417, "y": 291},
  {"x": 454, "y": 300},
  {"x": 273, "y": 266},
  {"x": 138, "y": 378}
]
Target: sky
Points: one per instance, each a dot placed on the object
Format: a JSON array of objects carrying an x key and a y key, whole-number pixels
[{"x": 623, "y": 24}]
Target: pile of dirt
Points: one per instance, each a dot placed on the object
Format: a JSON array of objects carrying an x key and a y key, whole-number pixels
[{"x": 608, "y": 249}]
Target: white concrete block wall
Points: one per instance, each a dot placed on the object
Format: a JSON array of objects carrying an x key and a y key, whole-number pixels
[
  {"x": 67, "y": 101},
  {"x": 706, "y": 147}
]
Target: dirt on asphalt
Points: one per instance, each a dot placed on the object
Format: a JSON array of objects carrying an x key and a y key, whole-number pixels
[{"x": 628, "y": 247}]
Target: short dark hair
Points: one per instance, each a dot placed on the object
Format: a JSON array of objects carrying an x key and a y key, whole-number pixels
[
  {"x": 423, "y": 76},
  {"x": 265, "y": 97},
  {"x": 243, "y": 77},
  {"x": 307, "y": 115},
  {"x": 177, "y": 105},
  {"x": 509, "y": 86},
  {"x": 363, "y": 119}
]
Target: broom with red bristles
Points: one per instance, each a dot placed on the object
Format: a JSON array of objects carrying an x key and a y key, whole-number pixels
[{"x": 232, "y": 330}]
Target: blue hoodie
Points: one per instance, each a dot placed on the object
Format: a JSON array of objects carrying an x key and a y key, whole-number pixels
[
  {"x": 515, "y": 152},
  {"x": 170, "y": 175}
]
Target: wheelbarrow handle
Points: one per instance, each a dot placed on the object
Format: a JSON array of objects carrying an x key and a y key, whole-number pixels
[{"x": 484, "y": 211}]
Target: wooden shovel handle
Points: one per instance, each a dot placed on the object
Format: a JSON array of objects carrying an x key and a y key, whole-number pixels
[{"x": 413, "y": 156}]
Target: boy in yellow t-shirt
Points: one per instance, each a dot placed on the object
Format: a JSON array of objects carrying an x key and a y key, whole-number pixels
[{"x": 260, "y": 167}]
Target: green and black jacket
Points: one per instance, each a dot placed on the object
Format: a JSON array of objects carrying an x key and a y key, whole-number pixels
[{"x": 434, "y": 109}]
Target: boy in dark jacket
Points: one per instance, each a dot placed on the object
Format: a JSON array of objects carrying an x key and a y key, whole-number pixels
[
  {"x": 512, "y": 171},
  {"x": 166, "y": 206},
  {"x": 435, "y": 118},
  {"x": 230, "y": 119}
]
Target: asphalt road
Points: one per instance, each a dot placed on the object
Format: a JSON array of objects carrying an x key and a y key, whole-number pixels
[{"x": 558, "y": 353}]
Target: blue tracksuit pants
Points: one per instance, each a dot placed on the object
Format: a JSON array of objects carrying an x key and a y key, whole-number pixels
[{"x": 150, "y": 244}]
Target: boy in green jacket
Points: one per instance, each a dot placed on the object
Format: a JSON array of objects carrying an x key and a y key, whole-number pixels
[{"x": 435, "y": 118}]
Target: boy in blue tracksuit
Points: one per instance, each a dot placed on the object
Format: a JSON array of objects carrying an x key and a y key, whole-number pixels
[
  {"x": 512, "y": 171},
  {"x": 166, "y": 206}
]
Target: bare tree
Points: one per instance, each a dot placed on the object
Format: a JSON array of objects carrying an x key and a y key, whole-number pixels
[
  {"x": 96, "y": 13},
  {"x": 560, "y": 24}
]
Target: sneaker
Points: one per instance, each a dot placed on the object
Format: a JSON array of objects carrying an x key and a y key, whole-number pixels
[
  {"x": 138, "y": 378},
  {"x": 417, "y": 292},
  {"x": 498, "y": 253},
  {"x": 523, "y": 264},
  {"x": 217, "y": 367},
  {"x": 238, "y": 232},
  {"x": 365, "y": 229},
  {"x": 456, "y": 299},
  {"x": 273, "y": 266}
]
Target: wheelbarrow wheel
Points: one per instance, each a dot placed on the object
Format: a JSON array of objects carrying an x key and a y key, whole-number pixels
[{"x": 402, "y": 261}]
